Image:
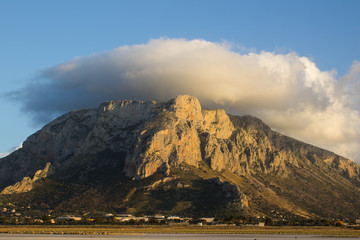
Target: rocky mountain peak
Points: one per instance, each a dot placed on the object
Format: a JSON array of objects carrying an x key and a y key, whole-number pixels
[
  {"x": 174, "y": 137},
  {"x": 186, "y": 108},
  {"x": 156, "y": 136},
  {"x": 137, "y": 141}
]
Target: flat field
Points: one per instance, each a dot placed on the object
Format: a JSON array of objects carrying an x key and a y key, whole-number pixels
[{"x": 136, "y": 229}]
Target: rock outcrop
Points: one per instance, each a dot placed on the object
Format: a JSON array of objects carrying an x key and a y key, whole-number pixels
[{"x": 27, "y": 184}]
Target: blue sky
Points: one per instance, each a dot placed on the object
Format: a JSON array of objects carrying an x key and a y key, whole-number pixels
[{"x": 36, "y": 35}]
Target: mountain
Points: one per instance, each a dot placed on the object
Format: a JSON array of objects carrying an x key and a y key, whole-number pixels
[{"x": 176, "y": 158}]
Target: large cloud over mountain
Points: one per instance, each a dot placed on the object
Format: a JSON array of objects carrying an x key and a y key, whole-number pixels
[{"x": 286, "y": 91}]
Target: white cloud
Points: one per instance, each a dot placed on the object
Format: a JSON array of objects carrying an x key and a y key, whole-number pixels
[
  {"x": 286, "y": 91},
  {"x": 350, "y": 84},
  {"x": 11, "y": 150}
]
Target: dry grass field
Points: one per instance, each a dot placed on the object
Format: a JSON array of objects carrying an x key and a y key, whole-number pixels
[{"x": 121, "y": 229}]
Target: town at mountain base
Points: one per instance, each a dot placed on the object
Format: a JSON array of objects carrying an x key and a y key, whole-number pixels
[{"x": 175, "y": 158}]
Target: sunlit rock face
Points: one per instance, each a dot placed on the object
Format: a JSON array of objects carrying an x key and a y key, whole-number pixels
[
  {"x": 174, "y": 137},
  {"x": 27, "y": 184}
]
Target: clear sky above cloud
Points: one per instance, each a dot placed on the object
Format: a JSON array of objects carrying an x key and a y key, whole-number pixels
[{"x": 291, "y": 63}]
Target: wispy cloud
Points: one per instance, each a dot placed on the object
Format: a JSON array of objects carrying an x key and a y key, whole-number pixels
[
  {"x": 10, "y": 151},
  {"x": 287, "y": 91}
]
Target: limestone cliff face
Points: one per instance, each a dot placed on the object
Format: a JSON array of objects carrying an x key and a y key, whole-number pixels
[
  {"x": 173, "y": 137},
  {"x": 155, "y": 136}
]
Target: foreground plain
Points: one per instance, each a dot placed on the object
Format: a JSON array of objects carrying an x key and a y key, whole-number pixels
[
  {"x": 161, "y": 229},
  {"x": 168, "y": 236}
]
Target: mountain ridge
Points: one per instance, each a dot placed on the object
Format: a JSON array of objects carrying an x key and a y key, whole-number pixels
[{"x": 134, "y": 142}]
